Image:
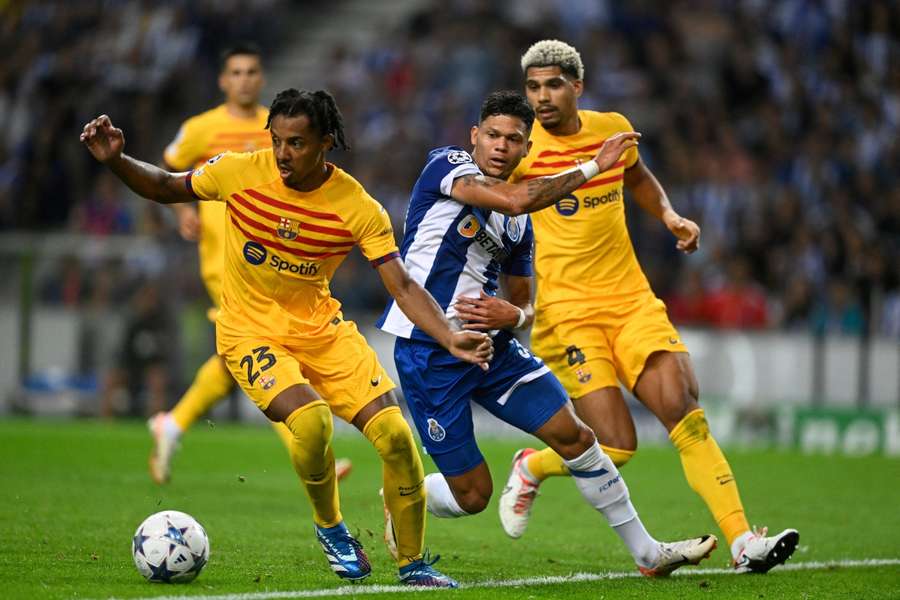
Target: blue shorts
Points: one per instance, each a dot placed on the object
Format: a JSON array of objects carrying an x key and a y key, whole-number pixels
[{"x": 518, "y": 389}]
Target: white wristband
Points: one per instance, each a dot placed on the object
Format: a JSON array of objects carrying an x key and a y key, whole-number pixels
[
  {"x": 521, "y": 319},
  {"x": 589, "y": 169}
]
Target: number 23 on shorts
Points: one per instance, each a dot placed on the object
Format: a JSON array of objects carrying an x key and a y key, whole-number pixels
[{"x": 256, "y": 363}]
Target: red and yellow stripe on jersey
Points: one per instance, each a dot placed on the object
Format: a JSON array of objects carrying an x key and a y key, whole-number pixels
[
  {"x": 199, "y": 139},
  {"x": 283, "y": 246},
  {"x": 582, "y": 247}
]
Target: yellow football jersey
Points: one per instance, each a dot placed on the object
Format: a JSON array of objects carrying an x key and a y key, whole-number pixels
[
  {"x": 283, "y": 246},
  {"x": 582, "y": 246},
  {"x": 199, "y": 139}
]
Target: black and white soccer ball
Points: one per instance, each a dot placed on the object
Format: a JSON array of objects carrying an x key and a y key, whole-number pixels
[{"x": 169, "y": 547}]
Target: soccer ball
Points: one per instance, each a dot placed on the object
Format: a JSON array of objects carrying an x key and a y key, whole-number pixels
[{"x": 170, "y": 546}]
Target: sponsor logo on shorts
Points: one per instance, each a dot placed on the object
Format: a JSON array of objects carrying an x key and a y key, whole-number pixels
[
  {"x": 255, "y": 253},
  {"x": 673, "y": 340},
  {"x": 375, "y": 381},
  {"x": 287, "y": 229},
  {"x": 266, "y": 381},
  {"x": 435, "y": 431},
  {"x": 468, "y": 227},
  {"x": 575, "y": 356}
]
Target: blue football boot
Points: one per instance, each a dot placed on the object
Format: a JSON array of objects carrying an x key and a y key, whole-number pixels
[
  {"x": 420, "y": 573},
  {"x": 344, "y": 553}
]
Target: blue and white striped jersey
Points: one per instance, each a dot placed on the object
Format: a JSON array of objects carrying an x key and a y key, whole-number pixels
[{"x": 453, "y": 249}]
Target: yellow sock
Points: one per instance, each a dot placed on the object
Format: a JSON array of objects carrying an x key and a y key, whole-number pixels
[
  {"x": 708, "y": 473},
  {"x": 547, "y": 463},
  {"x": 211, "y": 383},
  {"x": 313, "y": 460},
  {"x": 284, "y": 434},
  {"x": 619, "y": 456},
  {"x": 404, "y": 479}
]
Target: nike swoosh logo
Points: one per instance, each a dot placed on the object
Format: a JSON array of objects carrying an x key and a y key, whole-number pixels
[
  {"x": 375, "y": 381},
  {"x": 673, "y": 341}
]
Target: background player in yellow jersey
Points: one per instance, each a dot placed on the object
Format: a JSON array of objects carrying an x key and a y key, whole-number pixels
[
  {"x": 598, "y": 322},
  {"x": 292, "y": 218},
  {"x": 238, "y": 125}
]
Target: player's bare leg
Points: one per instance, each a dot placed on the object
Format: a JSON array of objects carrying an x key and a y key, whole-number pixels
[
  {"x": 668, "y": 387},
  {"x": 605, "y": 412},
  {"x": 403, "y": 490}
]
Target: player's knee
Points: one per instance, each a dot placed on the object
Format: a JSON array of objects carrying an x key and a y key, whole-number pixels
[
  {"x": 473, "y": 501},
  {"x": 391, "y": 436},
  {"x": 625, "y": 440}
]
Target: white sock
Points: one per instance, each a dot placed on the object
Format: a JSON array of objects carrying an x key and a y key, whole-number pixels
[
  {"x": 739, "y": 542},
  {"x": 600, "y": 484},
  {"x": 439, "y": 498}
]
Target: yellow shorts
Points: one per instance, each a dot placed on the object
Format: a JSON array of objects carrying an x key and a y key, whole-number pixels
[
  {"x": 341, "y": 367},
  {"x": 597, "y": 345}
]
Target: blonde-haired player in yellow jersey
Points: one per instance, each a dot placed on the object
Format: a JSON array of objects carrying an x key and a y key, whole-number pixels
[
  {"x": 237, "y": 125},
  {"x": 598, "y": 323},
  {"x": 292, "y": 218}
]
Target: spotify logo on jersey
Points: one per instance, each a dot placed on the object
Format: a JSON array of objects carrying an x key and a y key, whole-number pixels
[
  {"x": 254, "y": 253},
  {"x": 567, "y": 206}
]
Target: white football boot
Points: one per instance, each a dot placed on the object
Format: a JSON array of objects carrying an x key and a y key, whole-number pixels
[
  {"x": 673, "y": 555},
  {"x": 517, "y": 498},
  {"x": 390, "y": 537},
  {"x": 761, "y": 553},
  {"x": 165, "y": 443}
]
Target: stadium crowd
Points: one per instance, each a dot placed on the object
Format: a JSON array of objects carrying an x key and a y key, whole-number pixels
[{"x": 773, "y": 124}]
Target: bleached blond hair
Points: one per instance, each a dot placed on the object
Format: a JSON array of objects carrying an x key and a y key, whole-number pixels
[{"x": 554, "y": 53}]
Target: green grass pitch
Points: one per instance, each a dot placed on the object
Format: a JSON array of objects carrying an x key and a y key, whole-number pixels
[{"x": 73, "y": 493}]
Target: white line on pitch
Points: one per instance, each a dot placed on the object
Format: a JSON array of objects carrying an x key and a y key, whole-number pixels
[{"x": 365, "y": 590}]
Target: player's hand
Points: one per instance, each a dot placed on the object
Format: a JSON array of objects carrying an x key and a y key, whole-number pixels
[
  {"x": 687, "y": 232},
  {"x": 473, "y": 347},
  {"x": 189, "y": 223},
  {"x": 613, "y": 147},
  {"x": 486, "y": 312},
  {"x": 103, "y": 140}
]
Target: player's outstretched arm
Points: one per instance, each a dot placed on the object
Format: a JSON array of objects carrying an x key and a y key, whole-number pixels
[
  {"x": 649, "y": 194},
  {"x": 419, "y": 306},
  {"x": 107, "y": 142},
  {"x": 486, "y": 313},
  {"x": 541, "y": 192}
]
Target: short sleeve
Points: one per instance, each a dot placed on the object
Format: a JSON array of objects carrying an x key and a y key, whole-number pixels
[
  {"x": 521, "y": 258},
  {"x": 445, "y": 166},
  {"x": 631, "y": 155},
  {"x": 185, "y": 150},
  {"x": 375, "y": 234},
  {"x": 205, "y": 182}
]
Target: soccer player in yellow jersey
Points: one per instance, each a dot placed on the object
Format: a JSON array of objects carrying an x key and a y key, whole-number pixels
[
  {"x": 292, "y": 217},
  {"x": 237, "y": 125},
  {"x": 598, "y": 323}
]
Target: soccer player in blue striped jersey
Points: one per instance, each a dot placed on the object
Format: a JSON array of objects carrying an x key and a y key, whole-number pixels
[{"x": 468, "y": 234}]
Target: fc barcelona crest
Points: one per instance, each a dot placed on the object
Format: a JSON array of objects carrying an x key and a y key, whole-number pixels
[{"x": 287, "y": 229}]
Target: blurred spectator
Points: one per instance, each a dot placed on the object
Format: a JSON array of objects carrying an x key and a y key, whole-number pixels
[
  {"x": 838, "y": 312},
  {"x": 739, "y": 303},
  {"x": 140, "y": 384}
]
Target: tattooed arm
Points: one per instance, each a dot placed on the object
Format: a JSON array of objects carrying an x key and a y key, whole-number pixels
[{"x": 535, "y": 194}]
